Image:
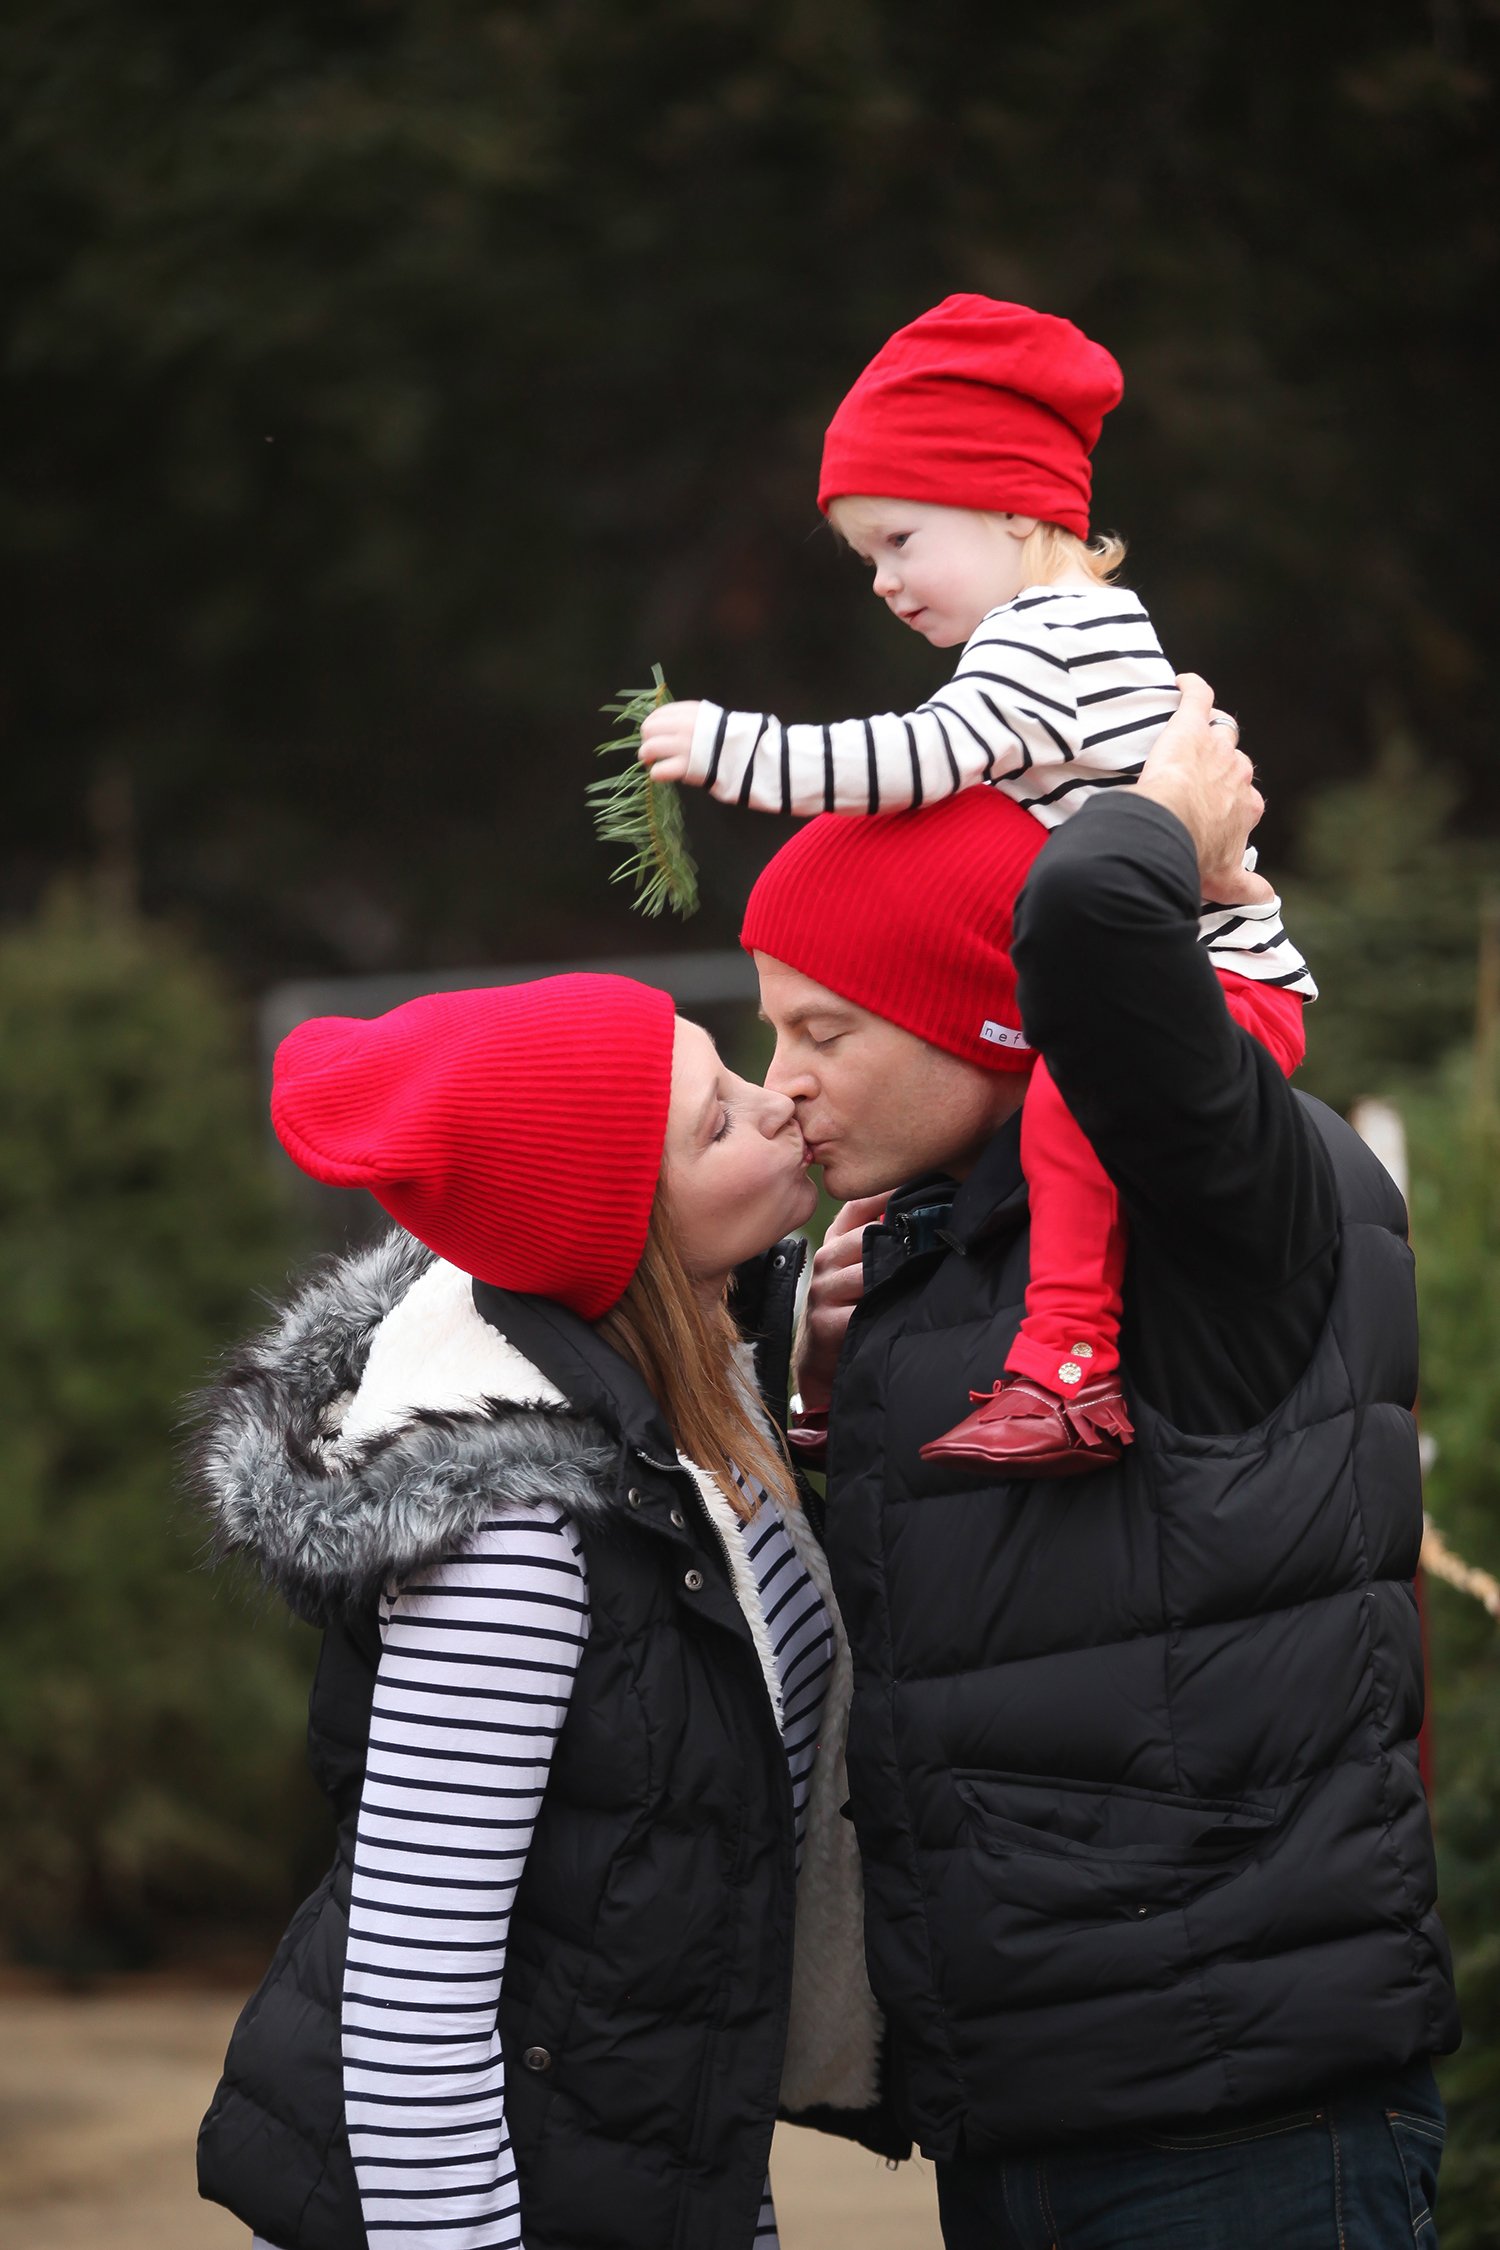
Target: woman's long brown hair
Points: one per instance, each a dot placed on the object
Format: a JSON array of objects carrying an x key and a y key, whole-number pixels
[{"x": 683, "y": 1351}]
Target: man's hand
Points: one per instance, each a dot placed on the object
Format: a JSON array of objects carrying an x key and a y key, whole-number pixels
[
  {"x": 838, "y": 1282},
  {"x": 667, "y": 740},
  {"x": 1197, "y": 769}
]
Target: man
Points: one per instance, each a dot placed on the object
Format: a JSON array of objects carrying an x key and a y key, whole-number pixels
[{"x": 1132, "y": 1759}]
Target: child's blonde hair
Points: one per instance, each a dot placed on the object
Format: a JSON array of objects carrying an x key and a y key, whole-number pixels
[
  {"x": 1046, "y": 553},
  {"x": 1049, "y": 551}
]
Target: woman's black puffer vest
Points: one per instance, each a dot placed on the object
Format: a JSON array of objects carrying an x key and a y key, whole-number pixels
[
  {"x": 1133, "y": 1758},
  {"x": 645, "y": 1998}
]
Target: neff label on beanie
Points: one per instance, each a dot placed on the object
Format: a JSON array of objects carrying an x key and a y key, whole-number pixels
[{"x": 1001, "y": 1035}]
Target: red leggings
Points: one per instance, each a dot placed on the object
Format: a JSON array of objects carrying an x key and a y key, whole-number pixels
[{"x": 1078, "y": 1234}]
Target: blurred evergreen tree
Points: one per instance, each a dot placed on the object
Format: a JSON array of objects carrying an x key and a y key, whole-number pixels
[
  {"x": 1384, "y": 901},
  {"x": 149, "y": 1715},
  {"x": 1389, "y": 899},
  {"x": 1454, "y": 1134}
]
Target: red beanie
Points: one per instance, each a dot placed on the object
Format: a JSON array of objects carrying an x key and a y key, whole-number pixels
[
  {"x": 978, "y": 404},
  {"x": 517, "y": 1131},
  {"x": 908, "y": 914}
]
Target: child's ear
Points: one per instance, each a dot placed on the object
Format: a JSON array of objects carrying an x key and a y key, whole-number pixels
[{"x": 1020, "y": 527}]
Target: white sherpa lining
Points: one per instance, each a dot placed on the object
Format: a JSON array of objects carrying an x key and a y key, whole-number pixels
[
  {"x": 435, "y": 1352},
  {"x": 741, "y": 1574},
  {"x": 834, "y": 2027}
]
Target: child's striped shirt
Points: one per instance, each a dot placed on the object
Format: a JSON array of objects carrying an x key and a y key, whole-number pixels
[{"x": 1057, "y": 695}]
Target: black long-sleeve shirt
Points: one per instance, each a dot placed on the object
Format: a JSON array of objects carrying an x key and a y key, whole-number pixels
[{"x": 1226, "y": 1186}]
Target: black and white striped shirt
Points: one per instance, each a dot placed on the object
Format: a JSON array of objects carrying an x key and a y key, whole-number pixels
[
  {"x": 1057, "y": 695},
  {"x": 476, "y": 1670}
]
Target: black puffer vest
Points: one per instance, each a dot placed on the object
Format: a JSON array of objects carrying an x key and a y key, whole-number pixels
[
  {"x": 1133, "y": 1757},
  {"x": 648, "y": 1978}
]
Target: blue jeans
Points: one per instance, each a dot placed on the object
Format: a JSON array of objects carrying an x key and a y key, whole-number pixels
[{"x": 1357, "y": 2171}]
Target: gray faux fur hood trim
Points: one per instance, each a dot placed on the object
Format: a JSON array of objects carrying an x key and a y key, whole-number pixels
[{"x": 330, "y": 1530}]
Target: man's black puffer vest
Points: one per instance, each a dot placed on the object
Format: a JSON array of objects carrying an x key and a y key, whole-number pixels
[
  {"x": 1133, "y": 1757},
  {"x": 644, "y": 2003}
]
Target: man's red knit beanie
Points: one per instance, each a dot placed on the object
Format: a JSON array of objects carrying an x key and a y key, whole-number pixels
[
  {"x": 908, "y": 914},
  {"x": 517, "y": 1131},
  {"x": 978, "y": 404}
]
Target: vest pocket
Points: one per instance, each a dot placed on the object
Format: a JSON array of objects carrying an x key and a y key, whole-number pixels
[{"x": 1076, "y": 1847}]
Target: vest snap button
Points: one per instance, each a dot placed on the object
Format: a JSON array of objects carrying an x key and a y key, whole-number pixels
[
  {"x": 537, "y": 2058},
  {"x": 678, "y": 1518},
  {"x": 693, "y": 1580},
  {"x": 633, "y": 1497},
  {"x": 1142, "y": 1912}
]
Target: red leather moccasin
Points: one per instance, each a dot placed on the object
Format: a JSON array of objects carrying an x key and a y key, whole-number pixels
[{"x": 1021, "y": 1430}]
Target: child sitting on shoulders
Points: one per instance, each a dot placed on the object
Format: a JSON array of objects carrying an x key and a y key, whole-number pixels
[{"x": 959, "y": 468}]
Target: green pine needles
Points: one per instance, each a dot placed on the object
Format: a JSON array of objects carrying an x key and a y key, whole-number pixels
[{"x": 646, "y": 816}]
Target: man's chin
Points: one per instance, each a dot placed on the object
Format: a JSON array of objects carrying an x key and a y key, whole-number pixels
[{"x": 846, "y": 1180}]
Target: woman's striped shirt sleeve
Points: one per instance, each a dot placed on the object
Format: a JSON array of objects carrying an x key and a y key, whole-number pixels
[{"x": 475, "y": 1675}]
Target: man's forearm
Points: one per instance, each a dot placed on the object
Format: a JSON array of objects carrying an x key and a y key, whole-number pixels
[{"x": 1194, "y": 1122}]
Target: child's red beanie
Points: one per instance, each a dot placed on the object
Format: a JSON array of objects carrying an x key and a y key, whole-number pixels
[
  {"x": 517, "y": 1131},
  {"x": 908, "y": 914},
  {"x": 977, "y": 404}
]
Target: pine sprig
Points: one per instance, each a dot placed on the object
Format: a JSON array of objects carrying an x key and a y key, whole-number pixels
[{"x": 646, "y": 816}]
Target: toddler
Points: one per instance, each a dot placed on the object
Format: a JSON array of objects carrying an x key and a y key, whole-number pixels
[{"x": 958, "y": 467}]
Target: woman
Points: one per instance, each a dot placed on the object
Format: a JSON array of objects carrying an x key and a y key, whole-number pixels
[{"x": 581, "y": 1699}]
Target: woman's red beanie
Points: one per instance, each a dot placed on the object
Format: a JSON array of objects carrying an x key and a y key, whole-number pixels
[
  {"x": 908, "y": 914},
  {"x": 517, "y": 1131},
  {"x": 978, "y": 404}
]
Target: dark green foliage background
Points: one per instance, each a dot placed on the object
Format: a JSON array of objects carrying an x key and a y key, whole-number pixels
[
  {"x": 1455, "y": 1206},
  {"x": 1388, "y": 901},
  {"x": 385, "y": 383},
  {"x": 150, "y": 1715}
]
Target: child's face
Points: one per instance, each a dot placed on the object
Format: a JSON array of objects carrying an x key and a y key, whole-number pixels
[{"x": 939, "y": 570}]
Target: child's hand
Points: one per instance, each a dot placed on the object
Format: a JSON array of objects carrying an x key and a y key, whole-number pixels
[{"x": 667, "y": 740}]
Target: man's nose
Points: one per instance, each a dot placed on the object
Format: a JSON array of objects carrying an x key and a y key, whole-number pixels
[{"x": 788, "y": 1078}]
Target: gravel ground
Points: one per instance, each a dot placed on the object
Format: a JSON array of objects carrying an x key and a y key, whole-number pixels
[{"x": 100, "y": 2096}]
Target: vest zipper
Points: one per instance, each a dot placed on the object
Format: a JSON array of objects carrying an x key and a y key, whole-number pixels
[
  {"x": 719, "y": 1535},
  {"x": 722, "y": 1538},
  {"x": 676, "y": 1469}
]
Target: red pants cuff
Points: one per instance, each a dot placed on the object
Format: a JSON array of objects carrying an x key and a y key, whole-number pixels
[{"x": 1053, "y": 1368}]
